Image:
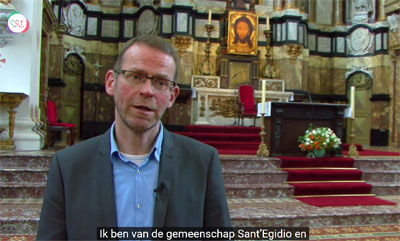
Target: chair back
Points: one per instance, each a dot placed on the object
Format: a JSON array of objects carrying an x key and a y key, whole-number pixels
[
  {"x": 52, "y": 112},
  {"x": 246, "y": 96}
]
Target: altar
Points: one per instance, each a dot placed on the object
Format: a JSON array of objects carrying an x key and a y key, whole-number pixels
[
  {"x": 212, "y": 105},
  {"x": 288, "y": 121}
]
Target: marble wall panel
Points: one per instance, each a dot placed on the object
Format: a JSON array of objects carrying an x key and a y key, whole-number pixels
[
  {"x": 380, "y": 118},
  {"x": 110, "y": 28},
  {"x": 200, "y": 30},
  {"x": 324, "y": 11},
  {"x": 55, "y": 66},
  {"x": 383, "y": 80},
  {"x": 129, "y": 28},
  {"x": 340, "y": 45},
  {"x": 312, "y": 42},
  {"x": 92, "y": 26},
  {"x": 324, "y": 44}
]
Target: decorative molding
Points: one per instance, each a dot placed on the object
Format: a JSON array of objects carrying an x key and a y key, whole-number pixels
[
  {"x": 74, "y": 18},
  {"x": 294, "y": 50},
  {"x": 78, "y": 50},
  {"x": 204, "y": 81},
  {"x": 360, "y": 41},
  {"x": 363, "y": 69}
]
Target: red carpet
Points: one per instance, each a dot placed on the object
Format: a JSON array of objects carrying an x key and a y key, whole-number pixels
[
  {"x": 331, "y": 181},
  {"x": 244, "y": 140}
]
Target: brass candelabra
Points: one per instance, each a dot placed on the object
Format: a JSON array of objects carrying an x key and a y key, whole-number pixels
[
  {"x": 352, "y": 149},
  {"x": 269, "y": 71},
  {"x": 205, "y": 68},
  {"x": 262, "y": 148}
]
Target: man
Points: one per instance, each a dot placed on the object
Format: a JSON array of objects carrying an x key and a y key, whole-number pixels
[{"x": 137, "y": 174}]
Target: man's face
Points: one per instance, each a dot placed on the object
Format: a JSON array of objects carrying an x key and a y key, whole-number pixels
[
  {"x": 242, "y": 30},
  {"x": 140, "y": 107}
]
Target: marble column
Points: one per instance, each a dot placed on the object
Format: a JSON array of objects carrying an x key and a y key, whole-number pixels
[
  {"x": 381, "y": 13},
  {"x": 312, "y": 14},
  {"x": 338, "y": 12},
  {"x": 278, "y": 5}
]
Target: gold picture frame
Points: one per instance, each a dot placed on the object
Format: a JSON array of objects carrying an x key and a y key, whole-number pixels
[{"x": 242, "y": 33}]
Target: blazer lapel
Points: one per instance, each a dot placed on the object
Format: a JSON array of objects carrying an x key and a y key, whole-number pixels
[
  {"x": 164, "y": 179},
  {"x": 105, "y": 181}
]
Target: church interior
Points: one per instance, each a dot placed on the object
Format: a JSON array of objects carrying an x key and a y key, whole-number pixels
[{"x": 329, "y": 63}]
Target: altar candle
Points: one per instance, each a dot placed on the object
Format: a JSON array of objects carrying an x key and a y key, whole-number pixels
[
  {"x": 209, "y": 16},
  {"x": 264, "y": 83},
  {"x": 352, "y": 101},
  {"x": 268, "y": 27}
]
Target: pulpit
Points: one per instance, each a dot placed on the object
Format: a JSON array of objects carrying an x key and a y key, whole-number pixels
[{"x": 289, "y": 120}]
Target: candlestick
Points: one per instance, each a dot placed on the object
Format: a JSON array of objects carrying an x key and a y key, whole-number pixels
[
  {"x": 264, "y": 83},
  {"x": 209, "y": 16},
  {"x": 352, "y": 101}
]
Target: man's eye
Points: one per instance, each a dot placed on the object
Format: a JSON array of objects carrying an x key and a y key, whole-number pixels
[
  {"x": 162, "y": 82},
  {"x": 135, "y": 76}
]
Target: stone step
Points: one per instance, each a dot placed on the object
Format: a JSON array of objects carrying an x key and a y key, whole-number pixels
[
  {"x": 21, "y": 216},
  {"x": 274, "y": 190},
  {"x": 34, "y": 159},
  {"x": 381, "y": 176},
  {"x": 249, "y": 162},
  {"x": 23, "y": 190},
  {"x": 385, "y": 188},
  {"x": 288, "y": 212},
  {"x": 242, "y": 176},
  {"x": 381, "y": 164},
  {"x": 23, "y": 174}
]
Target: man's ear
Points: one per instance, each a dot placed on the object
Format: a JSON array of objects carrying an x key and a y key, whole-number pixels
[
  {"x": 110, "y": 82},
  {"x": 174, "y": 94}
]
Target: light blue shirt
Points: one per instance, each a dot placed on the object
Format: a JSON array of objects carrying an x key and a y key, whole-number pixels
[{"x": 134, "y": 186}]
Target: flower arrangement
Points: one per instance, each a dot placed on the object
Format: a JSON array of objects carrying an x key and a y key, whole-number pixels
[{"x": 317, "y": 140}]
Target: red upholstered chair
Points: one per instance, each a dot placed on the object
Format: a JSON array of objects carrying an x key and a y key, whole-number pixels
[
  {"x": 247, "y": 104},
  {"x": 55, "y": 125}
]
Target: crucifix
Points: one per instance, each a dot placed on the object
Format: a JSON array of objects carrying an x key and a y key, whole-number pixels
[{"x": 97, "y": 66}]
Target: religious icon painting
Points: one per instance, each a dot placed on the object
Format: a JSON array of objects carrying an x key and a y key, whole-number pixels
[{"x": 243, "y": 33}]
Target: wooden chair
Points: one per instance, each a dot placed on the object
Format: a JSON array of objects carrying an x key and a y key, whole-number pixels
[
  {"x": 247, "y": 103},
  {"x": 56, "y": 126}
]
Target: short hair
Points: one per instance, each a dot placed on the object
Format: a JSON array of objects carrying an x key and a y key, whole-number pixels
[{"x": 151, "y": 41}]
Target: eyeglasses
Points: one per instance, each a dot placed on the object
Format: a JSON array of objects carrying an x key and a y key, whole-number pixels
[{"x": 135, "y": 78}]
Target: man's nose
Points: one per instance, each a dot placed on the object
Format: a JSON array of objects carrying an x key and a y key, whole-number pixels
[{"x": 147, "y": 87}]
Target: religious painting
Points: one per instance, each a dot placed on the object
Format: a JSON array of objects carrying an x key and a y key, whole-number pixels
[{"x": 243, "y": 33}]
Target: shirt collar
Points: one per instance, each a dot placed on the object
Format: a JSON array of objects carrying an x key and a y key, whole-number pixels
[{"x": 154, "y": 153}]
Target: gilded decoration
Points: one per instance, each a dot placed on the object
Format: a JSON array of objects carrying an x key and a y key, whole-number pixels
[
  {"x": 243, "y": 33},
  {"x": 182, "y": 43},
  {"x": 73, "y": 65},
  {"x": 201, "y": 81},
  {"x": 360, "y": 80},
  {"x": 225, "y": 107},
  {"x": 294, "y": 50}
]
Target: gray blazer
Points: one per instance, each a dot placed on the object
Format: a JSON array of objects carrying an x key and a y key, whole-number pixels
[{"x": 80, "y": 189}]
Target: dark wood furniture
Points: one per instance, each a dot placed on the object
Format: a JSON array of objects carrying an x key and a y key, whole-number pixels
[{"x": 289, "y": 120}]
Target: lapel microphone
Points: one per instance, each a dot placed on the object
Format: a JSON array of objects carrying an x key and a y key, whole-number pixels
[{"x": 160, "y": 191}]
